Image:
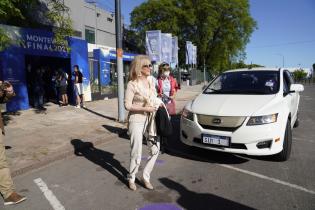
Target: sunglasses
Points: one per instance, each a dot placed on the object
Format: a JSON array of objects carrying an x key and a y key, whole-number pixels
[{"x": 147, "y": 66}]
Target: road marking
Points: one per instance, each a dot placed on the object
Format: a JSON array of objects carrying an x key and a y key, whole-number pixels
[
  {"x": 54, "y": 202},
  {"x": 269, "y": 178}
]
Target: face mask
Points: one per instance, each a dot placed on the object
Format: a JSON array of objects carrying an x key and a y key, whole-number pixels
[{"x": 166, "y": 73}]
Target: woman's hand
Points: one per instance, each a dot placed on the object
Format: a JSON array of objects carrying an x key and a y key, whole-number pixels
[{"x": 149, "y": 109}]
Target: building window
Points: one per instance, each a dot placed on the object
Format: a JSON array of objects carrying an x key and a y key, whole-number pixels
[
  {"x": 77, "y": 33},
  {"x": 110, "y": 19},
  {"x": 90, "y": 35}
]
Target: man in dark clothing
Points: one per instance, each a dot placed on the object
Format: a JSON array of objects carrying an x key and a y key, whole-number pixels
[
  {"x": 39, "y": 90},
  {"x": 78, "y": 86}
]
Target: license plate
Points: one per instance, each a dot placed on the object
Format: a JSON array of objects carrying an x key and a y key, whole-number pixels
[{"x": 216, "y": 140}]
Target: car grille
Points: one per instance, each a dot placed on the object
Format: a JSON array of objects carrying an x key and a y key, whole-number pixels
[
  {"x": 220, "y": 123},
  {"x": 233, "y": 145}
]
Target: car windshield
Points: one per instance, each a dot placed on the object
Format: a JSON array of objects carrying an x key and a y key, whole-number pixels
[{"x": 245, "y": 82}]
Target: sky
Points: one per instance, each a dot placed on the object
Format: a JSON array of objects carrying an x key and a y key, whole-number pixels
[{"x": 286, "y": 31}]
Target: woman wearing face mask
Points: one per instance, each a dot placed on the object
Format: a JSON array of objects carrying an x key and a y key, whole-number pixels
[{"x": 167, "y": 87}]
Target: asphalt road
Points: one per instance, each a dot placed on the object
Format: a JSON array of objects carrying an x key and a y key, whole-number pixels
[{"x": 184, "y": 177}]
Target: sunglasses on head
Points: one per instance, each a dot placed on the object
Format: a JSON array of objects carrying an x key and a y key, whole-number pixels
[{"x": 147, "y": 66}]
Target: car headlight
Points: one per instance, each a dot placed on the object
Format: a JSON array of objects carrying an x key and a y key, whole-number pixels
[
  {"x": 188, "y": 114},
  {"x": 260, "y": 120}
]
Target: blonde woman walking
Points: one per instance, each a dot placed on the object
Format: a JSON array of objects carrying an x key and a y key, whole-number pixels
[{"x": 141, "y": 101}]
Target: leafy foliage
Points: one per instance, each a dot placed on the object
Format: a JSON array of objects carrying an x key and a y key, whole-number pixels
[
  {"x": 59, "y": 14},
  {"x": 220, "y": 28},
  {"x": 49, "y": 14},
  {"x": 299, "y": 75}
]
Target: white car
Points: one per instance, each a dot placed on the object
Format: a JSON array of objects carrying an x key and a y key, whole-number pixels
[{"x": 244, "y": 111}]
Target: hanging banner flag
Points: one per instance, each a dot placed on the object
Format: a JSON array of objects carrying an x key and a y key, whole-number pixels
[
  {"x": 189, "y": 52},
  {"x": 175, "y": 50},
  {"x": 166, "y": 48},
  {"x": 188, "y": 46},
  {"x": 194, "y": 54},
  {"x": 153, "y": 45}
]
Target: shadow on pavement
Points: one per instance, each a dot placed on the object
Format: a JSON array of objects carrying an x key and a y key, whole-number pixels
[
  {"x": 7, "y": 116},
  {"x": 176, "y": 148},
  {"x": 269, "y": 158},
  {"x": 192, "y": 200},
  {"x": 122, "y": 132},
  {"x": 100, "y": 157},
  {"x": 99, "y": 114}
]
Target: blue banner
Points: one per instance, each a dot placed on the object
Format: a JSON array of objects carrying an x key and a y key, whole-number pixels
[
  {"x": 175, "y": 50},
  {"x": 13, "y": 70},
  {"x": 194, "y": 54},
  {"x": 79, "y": 56},
  {"x": 103, "y": 62},
  {"x": 153, "y": 45},
  {"x": 166, "y": 48},
  {"x": 35, "y": 42},
  {"x": 126, "y": 56},
  {"x": 188, "y": 52}
]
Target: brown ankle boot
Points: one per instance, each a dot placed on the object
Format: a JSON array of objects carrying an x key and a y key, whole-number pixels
[{"x": 14, "y": 198}]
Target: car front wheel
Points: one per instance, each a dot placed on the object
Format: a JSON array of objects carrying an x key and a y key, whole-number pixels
[
  {"x": 287, "y": 143},
  {"x": 297, "y": 122}
]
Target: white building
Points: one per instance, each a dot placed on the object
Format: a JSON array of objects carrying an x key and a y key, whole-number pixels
[{"x": 92, "y": 23}]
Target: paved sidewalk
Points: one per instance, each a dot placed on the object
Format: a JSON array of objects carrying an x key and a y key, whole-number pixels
[{"x": 34, "y": 139}]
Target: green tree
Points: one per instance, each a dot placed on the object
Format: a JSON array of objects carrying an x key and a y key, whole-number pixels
[
  {"x": 220, "y": 28},
  {"x": 51, "y": 14},
  {"x": 299, "y": 75},
  {"x": 58, "y": 14}
]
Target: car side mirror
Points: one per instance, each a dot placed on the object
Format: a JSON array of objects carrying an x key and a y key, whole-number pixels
[{"x": 296, "y": 88}]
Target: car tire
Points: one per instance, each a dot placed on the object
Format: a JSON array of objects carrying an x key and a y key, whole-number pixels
[
  {"x": 297, "y": 122},
  {"x": 287, "y": 143}
]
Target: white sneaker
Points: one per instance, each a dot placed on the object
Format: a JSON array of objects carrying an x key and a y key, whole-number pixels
[{"x": 78, "y": 107}]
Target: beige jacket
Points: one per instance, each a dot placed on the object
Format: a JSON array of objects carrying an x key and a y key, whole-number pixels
[{"x": 137, "y": 95}]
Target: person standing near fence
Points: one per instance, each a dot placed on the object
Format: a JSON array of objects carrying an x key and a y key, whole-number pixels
[{"x": 141, "y": 101}]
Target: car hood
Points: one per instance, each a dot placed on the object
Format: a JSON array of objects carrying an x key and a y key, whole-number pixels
[{"x": 229, "y": 105}]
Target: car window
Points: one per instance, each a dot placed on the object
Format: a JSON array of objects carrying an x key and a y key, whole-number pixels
[
  {"x": 286, "y": 83},
  {"x": 289, "y": 77},
  {"x": 245, "y": 82}
]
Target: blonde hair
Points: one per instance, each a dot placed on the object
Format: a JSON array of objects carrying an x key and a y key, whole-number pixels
[{"x": 136, "y": 66}]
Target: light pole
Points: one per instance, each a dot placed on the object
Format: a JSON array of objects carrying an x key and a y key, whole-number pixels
[
  {"x": 119, "y": 62},
  {"x": 204, "y": 71},
  {"x": 282, "y": 58}
]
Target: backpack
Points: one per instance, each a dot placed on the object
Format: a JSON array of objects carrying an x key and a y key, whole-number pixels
[{"x": 163, "y": 123}]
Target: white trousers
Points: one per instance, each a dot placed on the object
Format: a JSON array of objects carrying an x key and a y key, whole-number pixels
[{"x": 136, "y": 130}]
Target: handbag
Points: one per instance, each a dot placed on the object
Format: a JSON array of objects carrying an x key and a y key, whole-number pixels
[
  {"x": 170, "y": 106},
  {"x": 163, "y": 123}
]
